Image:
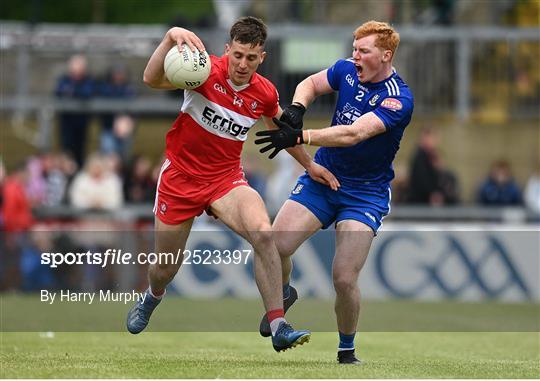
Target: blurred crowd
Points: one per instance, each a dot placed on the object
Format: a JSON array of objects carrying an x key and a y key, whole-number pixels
[
  {"x": 116, "y": 129},
  {"x": 429, "y": 181},
  {"x": 114, "y": 176},
  {"x": 107, "y": 182}
]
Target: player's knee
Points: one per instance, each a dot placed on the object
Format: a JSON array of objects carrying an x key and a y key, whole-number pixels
[
  {"x": 260, "y": 233},
  {"x": 345, "y": 283},
  {"x": 285, "y": 249},
  {"x": 261, "y": 238},
  {"x": 286, "y": 242}
]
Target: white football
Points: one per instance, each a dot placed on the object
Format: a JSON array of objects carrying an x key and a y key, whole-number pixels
[{"x": 186, "y": 70}]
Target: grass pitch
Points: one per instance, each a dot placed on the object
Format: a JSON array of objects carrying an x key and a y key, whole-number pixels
[
  {"x": 247, "y": 355},
  {"x": 458, "y": 341}
]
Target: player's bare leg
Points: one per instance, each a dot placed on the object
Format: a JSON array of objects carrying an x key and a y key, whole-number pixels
[
  {"x": 168, "y": 239},
  {"x": 243, "y": 210},
  {"x": 292, "y": 226},
  {"x": 353, "y": 240}
]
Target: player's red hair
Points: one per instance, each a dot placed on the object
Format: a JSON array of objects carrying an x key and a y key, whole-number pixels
[{"x": 387, "y": 37}]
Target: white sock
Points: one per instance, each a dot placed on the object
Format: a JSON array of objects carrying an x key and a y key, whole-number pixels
[{"x": 274, "y": 324}]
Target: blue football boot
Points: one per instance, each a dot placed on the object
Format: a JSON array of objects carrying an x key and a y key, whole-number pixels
[
  {"x": 139, "y": 315},
  {"x": 286, "y": 337}
]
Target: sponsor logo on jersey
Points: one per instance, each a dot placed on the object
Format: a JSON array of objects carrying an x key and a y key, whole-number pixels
[
  {"x": 392, "y": 104},
  {"x": 238, "y": 101},
  {"x": 348, "y": 114},
  {"x": 297, "y": 189},
  {"x": 221, "y": 124},
  {"x": 220, "y": 88},
  {"x": 349, "y": 80},
  {"x": 242, "y": 181},
  {"x": 373, "y": 101}
]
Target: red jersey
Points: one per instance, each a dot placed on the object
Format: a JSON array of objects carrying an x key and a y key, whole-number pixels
[{"x": 205, "y": 141}]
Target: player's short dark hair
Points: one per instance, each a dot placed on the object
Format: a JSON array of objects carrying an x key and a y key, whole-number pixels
[{"x": 249, "y": 30}]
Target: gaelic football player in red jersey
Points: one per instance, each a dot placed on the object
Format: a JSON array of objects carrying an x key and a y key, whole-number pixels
[{"x": 202, "y": 171}]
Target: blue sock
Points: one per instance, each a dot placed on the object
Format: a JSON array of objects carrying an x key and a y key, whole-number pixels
[
  {"x": 286, "y": 290},
  {"x": 346, "y": 342}
]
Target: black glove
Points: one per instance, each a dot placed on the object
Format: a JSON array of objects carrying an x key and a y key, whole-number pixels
[
  {"x": 285, "y": 137},
  {"x": 293, "y": 114}
]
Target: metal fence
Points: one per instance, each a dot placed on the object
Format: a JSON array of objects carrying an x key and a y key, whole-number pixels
[{"x": 461, "y": 72}]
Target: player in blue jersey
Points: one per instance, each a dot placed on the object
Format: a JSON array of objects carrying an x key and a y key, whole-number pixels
[{"x": 373, "y": 108}]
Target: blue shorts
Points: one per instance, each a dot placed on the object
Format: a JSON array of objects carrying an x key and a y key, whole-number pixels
[{"x": 368, "y": 203}]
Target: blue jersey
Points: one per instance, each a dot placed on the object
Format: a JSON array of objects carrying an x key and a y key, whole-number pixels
[{"x": 370, "y": 161}]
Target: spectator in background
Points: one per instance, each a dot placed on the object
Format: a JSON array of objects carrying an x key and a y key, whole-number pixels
[
  {"x": 114, "y": 164},
  {"x": 56, "y": 179},
  {"x": 48, "y": 178},
  {"x": 75, "y": 85},
  {"x": 423, "y": 176},
  {"x": 17, "y": 220},
  {"x": 36, "y": 185},
  {"x": 429, "y": 182},
  {"x": 96, "y": 187},
  {"x": 449, "y": 186},
  {"x": 68, "y": 166},
  {"x": 400, "y": 185},
  {"x": 16, "y": 207},
  {"x": 139, "y": 186},
  {"x": 499, "y": 189},
  {"x": 116, "y": 128}
]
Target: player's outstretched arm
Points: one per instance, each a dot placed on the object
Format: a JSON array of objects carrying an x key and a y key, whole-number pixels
[
  {"x": 154, "y": 74},
  {"x": 363, "y": 128}
]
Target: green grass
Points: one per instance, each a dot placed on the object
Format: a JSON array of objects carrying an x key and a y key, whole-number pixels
[
  {"x": 398, "y": 339},
  {"x": 26, "y": 313},
  {"x": 247, "y": 355}
]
